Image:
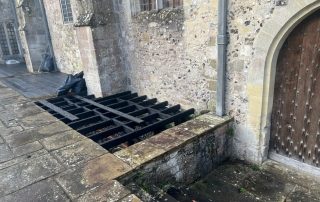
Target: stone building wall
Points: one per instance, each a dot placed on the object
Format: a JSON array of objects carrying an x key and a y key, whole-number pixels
[
  {"x": 171, "y": 54},
  {"x": 99, "y": 42},
  {"x": 33, "y": 33},
  {"x": 7, "y": 13},
  {"x": 245, "y": 21},
  {"x": 63, "y": 37}
]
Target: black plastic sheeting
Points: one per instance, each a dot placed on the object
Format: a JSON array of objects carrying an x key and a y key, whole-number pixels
[{"x": 75, "y": 85}]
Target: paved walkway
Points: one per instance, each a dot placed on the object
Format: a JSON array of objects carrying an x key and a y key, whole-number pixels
[
  {"x": 31, "y": 85},
  {"x": 237, "y": 181},
  {"x": 42, "y": 159}
]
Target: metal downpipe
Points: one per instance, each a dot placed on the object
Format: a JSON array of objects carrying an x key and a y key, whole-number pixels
[{"x": 222, "y": 57}]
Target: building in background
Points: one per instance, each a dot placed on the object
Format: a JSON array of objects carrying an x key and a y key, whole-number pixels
[{"x": 168, "y": 49}]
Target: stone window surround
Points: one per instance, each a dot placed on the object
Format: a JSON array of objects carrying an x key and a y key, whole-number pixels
[
  {"x": 261, "y": 77},
  {"x": 138, "y": 6},
  {"x": 66, "y": 11}
]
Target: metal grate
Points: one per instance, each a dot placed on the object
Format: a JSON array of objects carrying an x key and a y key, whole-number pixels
[{"x": 118, "y": 120}]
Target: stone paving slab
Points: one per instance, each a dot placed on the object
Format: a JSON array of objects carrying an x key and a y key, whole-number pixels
[
  {"x": 99, "y": 171},
  {"x": 111, "y": 191},
  {"x": 10, "y": 100},
  {"x": 238, "y": 181},
  {"x": 302, "y": 194},
  {"x": 130, "y": 198},
  {"x": 4, "y": 131},
  {"x": 26, "y": 173},
  {"x": 267, "y": 186},
  {"x": 2, "y": 85},
  {"x": 21, "y": 110},
  {"x": 61, "y": 140},
  {"x": 46, "y": 190},
  {"x": 5, "y": 153},
  {"x": 23, "y": 158},
  {"x": 27, "y": 148},
  {"x": 79, "y": 152},
  {"x": 36, "y": 120},
  {"x": 16, "y": 137},
  {"x": 8, "y": 93}
]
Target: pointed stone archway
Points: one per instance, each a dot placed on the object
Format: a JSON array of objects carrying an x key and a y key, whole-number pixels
[{"x": 261, "y": 74}]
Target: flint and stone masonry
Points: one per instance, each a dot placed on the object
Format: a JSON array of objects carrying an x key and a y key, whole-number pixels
[{"x": 171, "y": 54}]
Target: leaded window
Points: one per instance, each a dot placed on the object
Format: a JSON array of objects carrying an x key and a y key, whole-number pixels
[
  {"x": 66, "y": 11},
  {"x": 138, "y": 6},
  {"x": 12, "y": 39},
  {"x": 3, "y": 41}
]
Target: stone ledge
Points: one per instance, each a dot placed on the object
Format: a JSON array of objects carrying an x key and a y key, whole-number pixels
[{"x": 170, "y": 140}]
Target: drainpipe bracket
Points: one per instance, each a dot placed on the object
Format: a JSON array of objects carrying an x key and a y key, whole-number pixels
[{"x": 221, "y": 39}]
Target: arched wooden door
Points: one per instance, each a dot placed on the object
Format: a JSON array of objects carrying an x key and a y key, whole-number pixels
[{"x": 295, "y": 129}]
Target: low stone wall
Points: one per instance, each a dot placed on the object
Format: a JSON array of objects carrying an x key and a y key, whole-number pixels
[
  {"x": 58, "y": 163},
  {"x": 182, "y": 154}
]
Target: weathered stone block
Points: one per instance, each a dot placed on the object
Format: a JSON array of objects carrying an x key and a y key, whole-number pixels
[
  {"x": 4, "y": 131},
  {"x": 130, "y": 198},
  {"x": 23, "y": 174},
  {"x": 5, "y": 153},
  {"x": 21, "y": 110},
  {"x": 27, "y": 148},
  {"x": 37, "y": 120},
  {"x": 99, "y": 171},
  {"x": 30, "y": 135},
  {"x": 140, "y": 153},
  {"x": 23, "y": 158},
  {"x": 79, "y": 152},
  {"x": 46, "y": 190},
  {"x": 10, "y": 100},
  {"x": 201, "y": 124},
  {"x": 111, "y": 191},
  {"x": 8, "y": 93},
  {"x": 61, "y": 140},
  {"x": 166, "y": 141}
]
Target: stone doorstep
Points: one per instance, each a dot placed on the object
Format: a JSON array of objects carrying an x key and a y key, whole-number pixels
[{"x": 158, "y": 145}]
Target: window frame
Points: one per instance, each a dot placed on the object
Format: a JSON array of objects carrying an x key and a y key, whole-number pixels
[
  {"x": 66, "y": 12},
  {"x": 9, "y": 39},
  {"x": 136, "y": 5}
]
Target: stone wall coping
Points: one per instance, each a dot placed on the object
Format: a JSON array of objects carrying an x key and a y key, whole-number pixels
[{"x": 170, "y": 140}]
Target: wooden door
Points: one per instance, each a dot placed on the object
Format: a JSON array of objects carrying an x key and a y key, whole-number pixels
[{"x": 295, "y": 129}]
